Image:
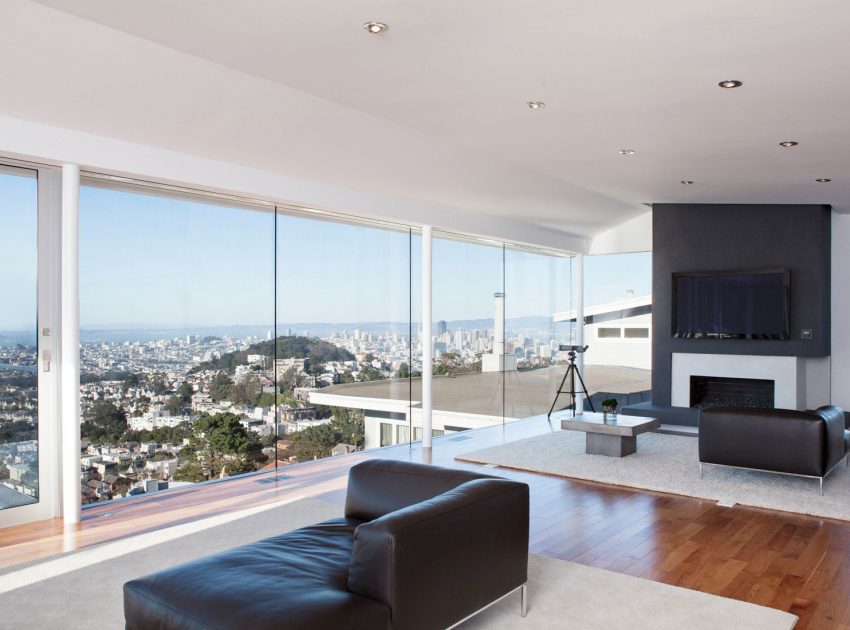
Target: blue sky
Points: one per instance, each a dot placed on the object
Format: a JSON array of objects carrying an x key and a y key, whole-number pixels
[
  {"x": 18, "y": 229},
  {"x": 155, "y": 261}
]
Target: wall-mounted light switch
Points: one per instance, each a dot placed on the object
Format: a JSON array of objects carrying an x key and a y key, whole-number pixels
[
  {"x": 45, "y": 360},
  {"x": 806, "y": 333},
  {"x": 46, "y": 332}
]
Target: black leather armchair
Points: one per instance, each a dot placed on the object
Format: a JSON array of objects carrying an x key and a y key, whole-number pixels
[
  {"x": 420, "y": 547},
  {"x": 803, "y": 443}
]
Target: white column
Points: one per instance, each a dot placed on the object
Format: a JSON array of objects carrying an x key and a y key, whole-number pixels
[
  {"x": 580, "y": 326},
  {"x": 427, "y": 341},
  {"x": 70, "y": 344}
]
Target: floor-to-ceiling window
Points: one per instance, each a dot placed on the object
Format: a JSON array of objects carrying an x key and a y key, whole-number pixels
[
  {"x": 344, "y": 320},
  {"x": 19, "y": 422},
  {"x": 618, "y": 326},
  {"x": 177, "y": 324},
  {"x": 470, "y": 354},
  {"x": 538, "y": 291},
  {"x": 221, "y": 338}
]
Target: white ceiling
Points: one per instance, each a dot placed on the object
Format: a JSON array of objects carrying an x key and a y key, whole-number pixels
[{"x": 434, "y": 109}]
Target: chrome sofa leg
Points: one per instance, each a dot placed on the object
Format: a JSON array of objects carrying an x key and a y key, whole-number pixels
[
  {"x": 700, "y": 470},
  {"x": 523, "y": 594},
  {"x": 821, "y": 485}
]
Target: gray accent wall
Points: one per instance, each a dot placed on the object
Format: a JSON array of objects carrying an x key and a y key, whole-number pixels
[{"x": 733, "y": 237}]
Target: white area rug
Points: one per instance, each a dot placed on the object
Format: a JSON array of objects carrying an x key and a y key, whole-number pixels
[
  {"x": 82, "y": 590},
  {"x": 568, "y": 595},
  {"x": 670, "y": 463}
]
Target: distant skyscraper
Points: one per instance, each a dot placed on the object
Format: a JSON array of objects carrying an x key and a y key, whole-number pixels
[
  {"x": 458, "y": 341},
  {"x": 498, "y": 361},
  {"x": 441, "y": 327},
  {"x": 269, "y": 335}
]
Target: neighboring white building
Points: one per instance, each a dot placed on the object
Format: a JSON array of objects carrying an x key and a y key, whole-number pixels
[
  {"x": 618, "y": 333},
  {"x": 465, "y": 401}
]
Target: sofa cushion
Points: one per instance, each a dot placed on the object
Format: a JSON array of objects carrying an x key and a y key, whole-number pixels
[{"x": 295, "y": 580}]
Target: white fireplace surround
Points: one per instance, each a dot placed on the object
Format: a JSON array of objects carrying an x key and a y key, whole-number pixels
[{"x": 787, "y": 373}]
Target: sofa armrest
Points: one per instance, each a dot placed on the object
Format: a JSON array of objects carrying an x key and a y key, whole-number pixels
[
  {"x": 833, "y": 418},
  {"x": 439, "y": 561},
  {"x": 380, "y": 486}
]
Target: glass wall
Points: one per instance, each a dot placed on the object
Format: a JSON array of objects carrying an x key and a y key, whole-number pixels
[
  {"x": 177, "y": 317},
  {"x": 470, "y": 355},
  {"x": 19, "y": 469},
  {"x": 538, "y": 298},
  {"x": 219, "y": 340},
  {"x": 618, "y": 327},
  {"x": 344, "y": 356}
]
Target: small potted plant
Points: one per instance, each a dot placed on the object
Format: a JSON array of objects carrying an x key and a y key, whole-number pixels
[{"x": 609, "y": 409}]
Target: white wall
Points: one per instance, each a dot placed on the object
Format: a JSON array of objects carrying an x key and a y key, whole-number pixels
[
  {"x": 635, "y": 235},
  {"x": 840, "y": 379}
]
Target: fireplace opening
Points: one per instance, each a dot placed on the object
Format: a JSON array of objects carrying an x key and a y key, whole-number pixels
[{"x": 720, "y": 391}]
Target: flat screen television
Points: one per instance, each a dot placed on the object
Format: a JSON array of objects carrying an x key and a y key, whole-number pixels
[{"x": 732, "y": 305}]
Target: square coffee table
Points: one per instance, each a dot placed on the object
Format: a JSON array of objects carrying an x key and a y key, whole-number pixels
[{"x": 614, "y": 439}]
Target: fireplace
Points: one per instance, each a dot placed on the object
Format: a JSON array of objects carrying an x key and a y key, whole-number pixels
[{"x": 721, "y": 391}]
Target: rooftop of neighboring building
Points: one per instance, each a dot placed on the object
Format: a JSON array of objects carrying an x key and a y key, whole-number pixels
[{"x": 526, "y": 392}]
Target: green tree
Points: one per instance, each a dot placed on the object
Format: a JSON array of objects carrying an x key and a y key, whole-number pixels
[
  {"x": 132, "y": 380},
  {"x": 350, "y": 425},
  {"x": 314, "y": 442},
  {"x": 185, "y": 392},
  {"x": 192, "y": 472},
  {"x": 174, "y": 406},
  {"x": 220, "y": 387},
  {"x": 369, "y": 373},
  {"x": 159, "y": 386},
  {"x": 225, "y": 435},
  {"x": 346, "y": 426},
  {"x": 403, "y": 371},
  {"x": 104, "y": 423},
  {"x": 248, "y": 390}
]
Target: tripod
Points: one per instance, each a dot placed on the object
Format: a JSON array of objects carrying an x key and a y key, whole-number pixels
[{"x": 572, "y": 372}]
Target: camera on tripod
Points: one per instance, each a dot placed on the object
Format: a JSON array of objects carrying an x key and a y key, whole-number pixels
[
  {"x": 567, "y": 348},
  {"x": 572, "y": 373}
]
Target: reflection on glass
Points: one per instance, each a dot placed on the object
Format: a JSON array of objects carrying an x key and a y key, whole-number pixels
[
  {"x": 177, "y": 318},
  {"x": 18, "y": 350},
  {"x": 618, "y": 309}
]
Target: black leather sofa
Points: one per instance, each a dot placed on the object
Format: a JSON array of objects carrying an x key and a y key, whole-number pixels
[
  {"x": 419, "y": 547},
  {"x": 804, "y": 443}
]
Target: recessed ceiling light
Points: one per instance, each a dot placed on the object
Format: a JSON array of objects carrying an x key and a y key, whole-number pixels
[
  {"x": 729, "y": 84},
  {"x": 536, "y": 104},
  {"x": 686, "y": 182},
  {"x": 788, "y": 143},
  {"x": 376, "y": 27},
  {"x": 823, "y": 180},
  {"x": 627, "y": 151}
]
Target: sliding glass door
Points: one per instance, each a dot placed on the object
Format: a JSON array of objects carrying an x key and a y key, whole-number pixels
[{"x": 19, "y": 431}]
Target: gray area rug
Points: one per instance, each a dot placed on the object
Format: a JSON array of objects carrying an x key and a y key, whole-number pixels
[
  {"x": 92, "y": 597},
  {"x": 670, "y": 463},
  {"x": 82, "y": 590},
  {"x": 568, "y": 595}
]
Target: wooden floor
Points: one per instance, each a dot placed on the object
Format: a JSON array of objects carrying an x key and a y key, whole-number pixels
[{"x": 786, "y": 561}]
